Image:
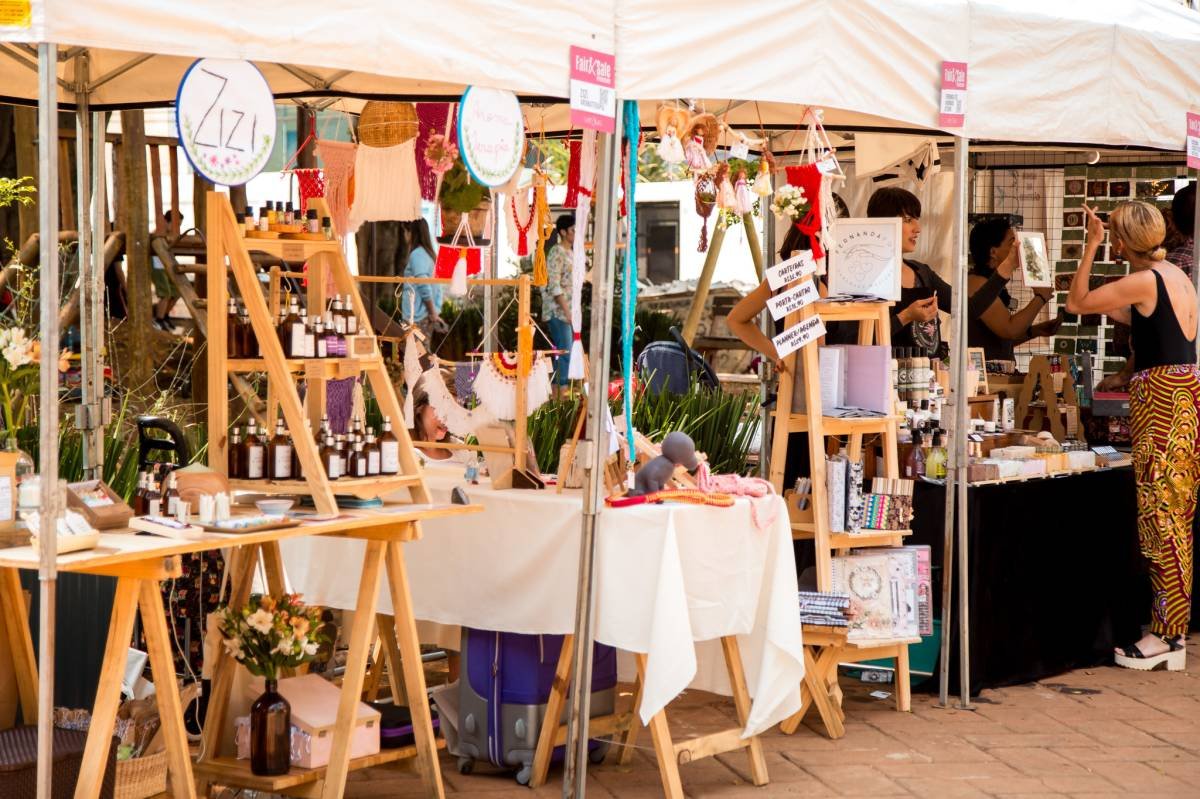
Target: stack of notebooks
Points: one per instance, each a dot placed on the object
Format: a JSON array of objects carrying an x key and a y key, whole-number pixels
[
  {"x": 890, "y": 590},
  {"x": 824, "y": 609}
]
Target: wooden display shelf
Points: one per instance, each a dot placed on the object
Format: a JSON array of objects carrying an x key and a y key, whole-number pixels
[
  {"x": 848, "y": 311},
  {"x": 234, "y": 773},
  {"x": 806, "y": 531},
  {"x": 364, "y": 487},
  {"x": 300, "y": 364},
  {"x": 292, "y": 250},
  {"x": 837, "y": 426}
]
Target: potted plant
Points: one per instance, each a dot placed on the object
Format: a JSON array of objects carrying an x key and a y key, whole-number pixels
[
  {"x": 268, "y": 636},
  {"x": 459, "y": 195}
]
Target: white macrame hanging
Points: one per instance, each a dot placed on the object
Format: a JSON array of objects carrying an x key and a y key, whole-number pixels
[
  {"x": 587, "y": 180},
  {"x": 413, "y": 350},
  {"x": 460, "y": 421},
  {"x": 496, "y": 386}
]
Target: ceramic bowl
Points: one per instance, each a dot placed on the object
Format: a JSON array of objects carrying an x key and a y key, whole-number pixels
[{"x": 274, "y": 507}]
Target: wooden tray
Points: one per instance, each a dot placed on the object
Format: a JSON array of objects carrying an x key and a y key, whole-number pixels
[
  {"x": 304, "y": 236},
  {"x": 276, "y": 525},
  {"x": 72, "y": 543},
  {"x": 288, "y": 229},
  {"x": 262, "y": 234}
]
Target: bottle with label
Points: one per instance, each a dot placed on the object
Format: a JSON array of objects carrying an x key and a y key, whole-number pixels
[
  {"x": 344, "y": 451},
  {"x": 249, "y": 340},
  {"x": 325, "y": 429},
  {"x": 351, "y": 319},
  {"x": 172, "y": 495},
  {"x": 264, "y": 219},
  {"x": 233, "y": 330},
  {"x": 314, "y": 224},
  {"x": 372, "y": 450},
  {"x": 254, "y": 452},
  {"x": 250, "y": 224},
  {"x": 389, "y": 449},
  {"x": 281, "y": 454},
  {"x": 139, "y": 496},
  {"x": 914, "y": 464},
  {"x": 359, "y": 461},
  {"x": 236, "y": 456},
  {"x": 289, "y": 214},
  {"x": 330, "y": 459},
  {"x": 935, "y": 462},
  {"x": 293, "y": 331},
  {"x": 153, "y": 495},
  {"x": 308, "y": 347},
  {"x": 320, "y": 341},
  {"x": 272, "y": 216},
  {"x": 339, "y": 316}
]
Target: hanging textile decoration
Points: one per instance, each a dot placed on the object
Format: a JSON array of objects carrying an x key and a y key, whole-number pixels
[
  {"x": 521, "y": 218},
  {"x": 431, "y": 119},
  {"x": 311, "y": 184},
  {"x": 461, "y": 257},
  {"x": 575, "y": 147},
  {"x": 496, "y": 385},
  {"x": 762, "y": 183},
  {"x": 338, "y": 160},
  {"x": 629, "y": 287},
  {"x": 460, "y": 421},
  {"x": 339, "y": 403},
  {"x": 587, "y": 179},
  {"x": 464, "y": 381},
  {"x": 413, "y": 350},
  {"x": 706, "y": 196},
  {"x": 809, "y": 178},
  {"x": 385, "y": 185},
  {"x": 542, "y": 226},
  {"x": 743, "y": 198}
]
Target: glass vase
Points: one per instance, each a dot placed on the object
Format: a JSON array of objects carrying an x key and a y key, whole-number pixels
[{"x": 270, "y": 733}]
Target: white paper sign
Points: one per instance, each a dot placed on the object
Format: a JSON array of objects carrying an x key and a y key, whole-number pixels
[
  {"x": 491, "y": 134},
  {"x": 740, "y": 150},
  {"x": 793, "y": 299},
  {"x": 796, "y": 337},
  {"x": 791, "y": 270},
  {"x": 225, "y": 117}
]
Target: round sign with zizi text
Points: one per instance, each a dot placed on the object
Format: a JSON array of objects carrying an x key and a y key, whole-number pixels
[
  {"x": 225, "y": 116},
  {"x": 491, "y": 134}
]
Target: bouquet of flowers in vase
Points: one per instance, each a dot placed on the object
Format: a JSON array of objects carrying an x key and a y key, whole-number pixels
[
  {"x": 790, "y": 202},
  {"x": 270, "y": 635}
]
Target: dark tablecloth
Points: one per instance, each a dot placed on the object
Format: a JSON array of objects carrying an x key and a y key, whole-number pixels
[{"x": 1056, "y": 579}]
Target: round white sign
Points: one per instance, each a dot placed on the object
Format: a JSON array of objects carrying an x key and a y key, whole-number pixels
[
  {"x": 225, "y": 116},
  {"x": 491, "y": 134}
]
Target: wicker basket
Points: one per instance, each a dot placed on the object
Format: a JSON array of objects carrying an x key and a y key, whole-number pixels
[
  {"x": 141, "y": 777},
  {"x": 386, "y": 124}
]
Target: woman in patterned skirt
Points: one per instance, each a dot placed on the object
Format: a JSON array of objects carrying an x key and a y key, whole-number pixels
[{"x": 1158, "y": 302}]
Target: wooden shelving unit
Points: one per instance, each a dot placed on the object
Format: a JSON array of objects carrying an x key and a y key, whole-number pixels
[
  {"x": 874, "y": 328},
  {"x": 227, "y": 245}
]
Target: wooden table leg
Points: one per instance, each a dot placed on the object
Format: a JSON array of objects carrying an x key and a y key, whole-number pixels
[
  {"x": 413, "y": 671},
  {"x": 741, "y": 701},
  {"x": 166, "y": 689},
  {"x": 903, "y": 681},
  {"x": 272, "y": 558},
  {"x": 108, "y": 691},
  {"x": 554, "y": 708},
  {"x": 356, "y": 666},
  {"x": 19, "y": 642},
  {"x": 629, "y": 742},
  {"x": 391, "y": 655},
  {"x": 242, "y": 564},
  {"x": 820, "y": 675},
  {"x": 664, "y": 747}
]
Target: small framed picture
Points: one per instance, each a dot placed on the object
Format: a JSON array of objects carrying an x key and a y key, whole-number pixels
[
  {"x": 865, "y": 258},
  {"x": 1034, "y": 259},
  {"x": 977, "y": 362}
]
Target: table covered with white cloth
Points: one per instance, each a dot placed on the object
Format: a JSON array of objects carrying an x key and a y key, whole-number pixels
[{"x": 671, "y": 579}]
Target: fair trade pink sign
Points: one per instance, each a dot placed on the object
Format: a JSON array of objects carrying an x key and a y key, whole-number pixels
[
  {"x": 954, "y": 94},
  {"x": 593, "y": 90},
  {"x": 1193, "y": 140}
]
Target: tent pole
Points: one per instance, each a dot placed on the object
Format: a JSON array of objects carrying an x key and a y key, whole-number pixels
[
  {"x": 595, "y": 455},
  {"x": 88, "y": 420},
  {"x": 51, "y": 496},
  {"x": 956, "y": 472},
  {"x": 961, "y": 414},
  {"x": 764, "y": 323}
]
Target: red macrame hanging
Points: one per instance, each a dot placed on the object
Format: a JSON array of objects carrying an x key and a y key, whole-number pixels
[
  {"x": 311, "y": 183},
  {"x": 576, "y": 147},
  {"x": 808, "y": 177},
  {"x": 706, "y": 196}
]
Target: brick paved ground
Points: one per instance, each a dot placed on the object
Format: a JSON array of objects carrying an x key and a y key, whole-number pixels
[{"x": 1136, "y": 735}]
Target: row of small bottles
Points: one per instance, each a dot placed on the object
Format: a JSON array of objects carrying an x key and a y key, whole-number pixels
[
  {"x": 928, "y": 456},
  {"x": 284, "y": 214},
  {"x": 358, "y": 453},
  {"x": 300, "y": 335},
  {"x": 156, "y": 495}
]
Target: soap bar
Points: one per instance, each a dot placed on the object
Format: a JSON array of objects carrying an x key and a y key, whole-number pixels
[{"x": 1081, "y": 459}]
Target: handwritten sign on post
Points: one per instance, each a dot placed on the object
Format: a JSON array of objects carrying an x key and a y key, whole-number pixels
[
  {"x": 593, "y": 90},
  {"x": 791, "y": 270},
  {"x": 491, "y": 134},
  {"x": 792, "y": 300},
  {"x": 798, "y": 336},
  {"x": 954, "y": 94},
  {"x": 225, "y": 117}
]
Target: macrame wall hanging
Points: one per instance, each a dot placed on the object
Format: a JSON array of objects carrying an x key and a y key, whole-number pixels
[
  {"x": 311, "y": 184},
  {"x": 431, "y": 119},
  {"x": 385, "y": 185},
  {"x": 337, "y": 158},
  {"x": 706, "y": 200},
  {"x": 460, "y": 421},
  {"x": 343, "y": 401},
  {"x": 413, "y": 351},
  {"x": 520, "y": 219},
  {"x": 587, "y": 178},
  {"x": 496, "y": 385}
]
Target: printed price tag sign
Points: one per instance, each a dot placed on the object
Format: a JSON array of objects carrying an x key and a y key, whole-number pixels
[
  {"x": 1193, "y": 140},
  {"x": 954, "y": 94},
  {"x": 796, "y": 337},
  {"x": 791, "y": 270},
  {"x": 593, "y": 90},
  {"x": 793, "y": 299}
]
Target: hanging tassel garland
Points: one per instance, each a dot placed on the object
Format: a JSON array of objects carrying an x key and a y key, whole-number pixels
[
  {"x": 587, "y": 178},
  {"x": 630, "y": 285},
  {"x": 543, "y": 226},
  {"x": 458, "y": 280},
  {"x": 496, "y": 385},
  {"x": 809, "y": 178},
  {"x": 575, "y": 149}
]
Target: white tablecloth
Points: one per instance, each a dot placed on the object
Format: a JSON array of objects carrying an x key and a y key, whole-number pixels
[{"x": 670, "y": 580}]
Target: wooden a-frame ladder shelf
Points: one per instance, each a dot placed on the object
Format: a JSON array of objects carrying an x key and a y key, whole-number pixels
[
  {"x": 226, "y": 244},
  {"x": 874, "y": 327}
]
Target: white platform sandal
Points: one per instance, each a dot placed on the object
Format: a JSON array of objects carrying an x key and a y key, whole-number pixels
[{"x": 1174, "y": 659}]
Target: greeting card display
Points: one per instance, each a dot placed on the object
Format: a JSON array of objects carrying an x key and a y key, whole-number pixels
[
  {"x": 1034, "y": 259},
  {"x": 866, "y": 258}
]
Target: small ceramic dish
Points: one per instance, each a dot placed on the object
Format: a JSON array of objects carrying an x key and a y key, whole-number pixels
[{"x": 274, "y": 507}]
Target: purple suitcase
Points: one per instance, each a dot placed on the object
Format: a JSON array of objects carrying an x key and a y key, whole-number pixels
[{"x": 505, "y": 684}]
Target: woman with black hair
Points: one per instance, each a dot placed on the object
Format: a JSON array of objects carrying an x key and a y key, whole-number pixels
[
  {"x": 996, "y": 329},
  {"x": 556, "y": 295}
]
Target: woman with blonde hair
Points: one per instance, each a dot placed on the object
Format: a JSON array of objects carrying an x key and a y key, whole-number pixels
[{"x": 1158, "y": 301}]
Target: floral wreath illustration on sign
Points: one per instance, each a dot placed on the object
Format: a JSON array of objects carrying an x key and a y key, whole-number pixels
[{"x": 225, "y": 118}]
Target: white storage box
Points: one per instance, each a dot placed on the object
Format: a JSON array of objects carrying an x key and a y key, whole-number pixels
[{"x": 314, "y": 702}]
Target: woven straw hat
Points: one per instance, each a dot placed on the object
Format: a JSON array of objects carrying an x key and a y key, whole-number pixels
[{"x": 386, "y": 124}]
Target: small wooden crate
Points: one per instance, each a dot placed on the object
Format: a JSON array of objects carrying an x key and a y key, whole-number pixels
[
  {"x": 103, "y": 517},
  {"x": 141, "y": 777}
]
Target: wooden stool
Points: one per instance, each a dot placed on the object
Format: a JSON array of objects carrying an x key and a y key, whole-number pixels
[{"x": 824, "y": 648}]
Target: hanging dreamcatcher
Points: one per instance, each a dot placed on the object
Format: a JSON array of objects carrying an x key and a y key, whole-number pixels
[{"x": 496, "y": 385}]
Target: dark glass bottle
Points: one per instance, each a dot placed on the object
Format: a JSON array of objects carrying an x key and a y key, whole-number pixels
[
  {"x": 389, "y": 450},
  {"x": 233, "y": 330},
  {"x": 249, "y": 340},
  {"x": 140, "y": 505},
  {"x": 280, "y": 454},
  {"x": 235, "y": 456},
  {"x": 372, "y": 450},
  {"x": 270, "y": 733},
  {"x": 330, "y": 459},
  {"x": 254, "y": 451},
  {"x": 359, "y": 459}
]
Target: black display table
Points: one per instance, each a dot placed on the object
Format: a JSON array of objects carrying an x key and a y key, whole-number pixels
[{"x": 1056, "y": 579}]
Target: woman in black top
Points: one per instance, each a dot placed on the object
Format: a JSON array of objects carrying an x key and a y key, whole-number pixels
[
  {"x": 997, "y": 329},
  {"x": 915, "y": 322},
  {"x": 1158, "y": 301}
]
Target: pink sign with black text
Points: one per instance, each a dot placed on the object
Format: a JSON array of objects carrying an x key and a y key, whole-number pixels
[
  {"x": 593, "y": 90},
  {"x": 954, "y": 94},
  {"x": 1193, "y": 140}
]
